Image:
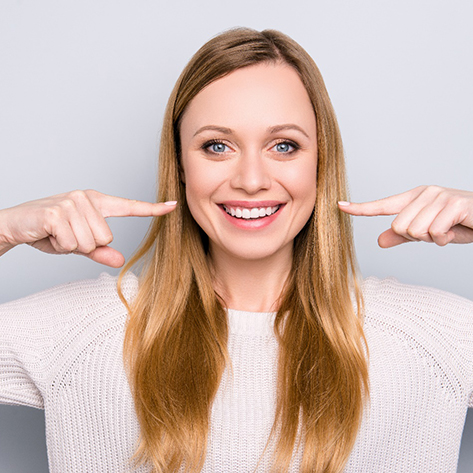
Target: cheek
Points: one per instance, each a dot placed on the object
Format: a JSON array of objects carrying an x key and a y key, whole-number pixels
[
  {"x": 301, "y": 182},
  {"x": 202, "y": 179}
]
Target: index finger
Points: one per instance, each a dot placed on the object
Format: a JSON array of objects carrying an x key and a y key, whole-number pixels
[
  {"x": 388, "y": 206},
  {"x": 111, "y": 206}
]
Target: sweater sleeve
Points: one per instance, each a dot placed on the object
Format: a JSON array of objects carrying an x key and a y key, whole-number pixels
[
  {"x": 438, "y": 324},
  {"x": 449, "y": 318},
  {"x": 465, "y": 308},
  {"x": 38, "y": 331}
]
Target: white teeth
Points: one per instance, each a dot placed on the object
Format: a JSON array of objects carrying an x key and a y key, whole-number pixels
[
  {"x": 247, "y": 214},
  {"x": 254, "y": 213}
]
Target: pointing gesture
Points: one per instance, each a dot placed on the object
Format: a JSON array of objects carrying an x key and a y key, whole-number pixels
[
  {"x": 73, "y": 222},
  {"x": 427, "y": 213}
]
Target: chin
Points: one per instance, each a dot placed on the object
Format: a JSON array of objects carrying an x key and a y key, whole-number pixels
[{"x": 253, "y": 252}]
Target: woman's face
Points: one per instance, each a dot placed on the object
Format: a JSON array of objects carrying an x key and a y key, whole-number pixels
[{"x": 249, "y": 161}]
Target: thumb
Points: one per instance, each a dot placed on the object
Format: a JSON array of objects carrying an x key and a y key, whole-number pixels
[
  {"x": 389, "y": 238},
  {"x": 106, "y": 255}
]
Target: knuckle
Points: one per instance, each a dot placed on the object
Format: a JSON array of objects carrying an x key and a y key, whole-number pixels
[
  {"x": 68, "y": 205},
  {"x": 458, "y": 202},
  {"x": 454, "y": 201},
  {"x": 86, "y": 248},
  {"x": 90, "y": 193},
  {"x": 68, "y": 246},
  {"x": 104, "y": 240},
  {"x": 78, "y": 197},
  {"x": 94, "y": 199},
  {"x": 442, "y": 197},
  {"x": 437, "y": 233},
  {"x": 77, "y": 194},
  {"x": 57, "y": 247},
  {"x": 398, "y": 228},
  {"x": 439, "y": 238},
  {"x": 417, "y": 234},
  {"x": 433, "y": 189},
  {"x": 53, "y": 214}
]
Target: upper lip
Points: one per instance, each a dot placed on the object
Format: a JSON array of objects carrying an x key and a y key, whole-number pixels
[{"x": 251, "y": 204}]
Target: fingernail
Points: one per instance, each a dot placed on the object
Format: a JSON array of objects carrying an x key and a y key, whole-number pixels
[
  {"x": 343, "y": 203},
  {"x": 170, "y": 202}
]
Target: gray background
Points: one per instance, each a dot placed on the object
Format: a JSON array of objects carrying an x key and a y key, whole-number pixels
[{"x": 83, "y": 87}]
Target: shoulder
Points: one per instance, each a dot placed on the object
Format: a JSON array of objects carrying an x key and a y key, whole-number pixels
[
  {"x": 105, "y": 286},
  {"x": 392, "y": 295},
  {"x": 423, "y": 317},
  {"x": 410, "y": 326},
  {"x": 71, "y": 302},
  {"x": 47, "y": 336}
]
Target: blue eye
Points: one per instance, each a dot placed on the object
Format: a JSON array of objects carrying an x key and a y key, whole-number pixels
[
  {"x": 286, "y": 147},
  {"x": 216, "y": 147},
  {"x": 283, "y": 147}
]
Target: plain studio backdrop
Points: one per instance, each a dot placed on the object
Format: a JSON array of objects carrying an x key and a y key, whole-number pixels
[{"x": 83, "y": 87}]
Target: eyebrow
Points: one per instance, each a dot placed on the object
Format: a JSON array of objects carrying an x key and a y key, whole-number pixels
[
  {"x": 288, "y": 126},
  {"x": 271, "y": 130},
  {"x": 221, "y": 129}
]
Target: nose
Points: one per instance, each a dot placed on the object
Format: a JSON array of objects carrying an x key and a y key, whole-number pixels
[{"x": 251, "y": 173}]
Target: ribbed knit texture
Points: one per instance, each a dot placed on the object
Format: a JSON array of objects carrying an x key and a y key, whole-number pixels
[{"x": 61, "y": 350}]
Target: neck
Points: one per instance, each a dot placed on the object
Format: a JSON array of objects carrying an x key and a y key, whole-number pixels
[{"x": 250, "y": 285}]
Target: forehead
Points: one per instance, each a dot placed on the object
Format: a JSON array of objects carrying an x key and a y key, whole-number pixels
[{"x": 261, "y": 95}]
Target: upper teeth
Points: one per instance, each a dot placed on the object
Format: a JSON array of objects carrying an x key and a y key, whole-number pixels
[{"x": 246, "y": 213}]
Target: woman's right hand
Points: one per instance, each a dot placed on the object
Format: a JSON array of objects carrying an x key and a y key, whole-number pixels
[{"x": 73, "y": 222}]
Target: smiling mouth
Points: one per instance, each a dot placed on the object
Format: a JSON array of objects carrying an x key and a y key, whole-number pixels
[{"x": 251, "y": 213}]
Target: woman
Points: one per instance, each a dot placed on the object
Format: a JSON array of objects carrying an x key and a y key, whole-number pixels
[{"x": 246, "y": 342}]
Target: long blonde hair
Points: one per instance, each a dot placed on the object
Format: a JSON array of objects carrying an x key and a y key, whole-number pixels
[{"x": 175, "y": 348}]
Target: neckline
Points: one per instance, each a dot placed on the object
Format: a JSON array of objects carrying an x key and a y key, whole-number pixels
[{"x": 251, "y": 323}]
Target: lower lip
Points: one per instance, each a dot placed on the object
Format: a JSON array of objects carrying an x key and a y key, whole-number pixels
[{"x": 252, "y": 223}]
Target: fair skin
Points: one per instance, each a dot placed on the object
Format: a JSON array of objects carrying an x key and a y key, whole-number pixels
[
  {"x": 248, "y": 141},
  {"x": 427, "y": 213},
  {"x": 73, "y": 222}
]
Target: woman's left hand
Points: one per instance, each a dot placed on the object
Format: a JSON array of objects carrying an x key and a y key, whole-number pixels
[{"x": 427, "y": 213}]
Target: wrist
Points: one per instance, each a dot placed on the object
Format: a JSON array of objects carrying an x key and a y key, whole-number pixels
[{"x": 5, "y": 243}]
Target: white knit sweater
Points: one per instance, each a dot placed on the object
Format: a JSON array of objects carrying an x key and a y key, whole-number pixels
[{"x": 61, "y": 350}]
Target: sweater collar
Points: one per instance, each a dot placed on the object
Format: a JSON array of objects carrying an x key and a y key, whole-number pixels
[{"x": 251, "y": 323}]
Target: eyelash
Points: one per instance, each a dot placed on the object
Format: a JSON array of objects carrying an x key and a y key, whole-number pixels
[
  {"x": 209, "y": 143},
  {"x": 295, "y": 146}
]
